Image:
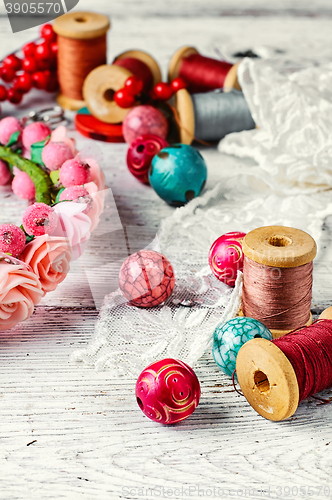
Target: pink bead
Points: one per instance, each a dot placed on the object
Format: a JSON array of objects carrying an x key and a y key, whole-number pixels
[
  {"x": 226, "y": 257},
  {"x": 74, "y": 173},
  {"x": 12, "y": 239},
  {"x": 143, "y": 120},
  {"x": 78, "y": 194},
  {"x": 140, "y": 154},
  {"x": 39, "y": 219},
  {"x": 54, "y": 155},
  {"x": 9, "y": 126},
  {"x": 146, "y": 278},
  {"x": 35, "y": 132},
  {"x": 23, "y": 186},
  {"x": 5, "y": 175},
  {"x": 168, "y": 391}
]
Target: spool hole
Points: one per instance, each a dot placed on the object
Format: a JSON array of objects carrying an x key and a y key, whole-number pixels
[
  {"x": 279, "y": 241},
  {"x": 261, "y": 381},
  {"x": 80, "y": 19},
  {"x": 140, "y": 403},
  {"x": 109, "y": 95}
]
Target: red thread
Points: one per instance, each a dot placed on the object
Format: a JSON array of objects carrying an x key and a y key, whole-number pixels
[
  {"x": 139, "y": 69},
  {"x": 310, "y": 352},
  {"x": 203, "y": 73}
]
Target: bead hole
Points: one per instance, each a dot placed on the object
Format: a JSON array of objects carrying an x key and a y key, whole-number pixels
[
  {"x": 109, "y": 95},
  {"x": 279, "y": 241},
  {"x": 80, "y": 19},
  {"x": 140, "y": 403},
  {"x": 261, "y": 381},
  {"x": 140, "y": 148}
]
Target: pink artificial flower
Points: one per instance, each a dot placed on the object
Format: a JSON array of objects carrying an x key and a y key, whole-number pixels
[
  {"x": 98, "y": 198},
  {"x": 49, "y": 257},
  {"x": 73, "y": 225},
  {"x": 20, "y": 291},
  {"x": 60, "y": 135}
]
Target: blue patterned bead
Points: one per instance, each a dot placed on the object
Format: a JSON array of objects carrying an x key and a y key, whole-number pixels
[
  {"x": 230, "y": 337},
  {"x": 178, "y": 174}
]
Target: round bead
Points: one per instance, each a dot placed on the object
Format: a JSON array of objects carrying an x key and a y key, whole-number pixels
[
  {"x": 35, "y": 132},
  {"x": 23, "y": 186},
  {"x": 178, "y": 174},
  {"x": 230, "y": 337},
  {"x": 168, "y": 391},
  {"x": 12, "y": 239},
  {"x": 74, "y": 173},
  {"x": 146, "y": 278},
  {"x": 39, "y": 219},
  {"x": 55, "y": 154},
  {"x": 5, "y": 175},
  {"x": 140, "y": 154},
  {"x": 226, "y": 257},
  {"x": 8, "y": 127},
  {"x": 143, "y": 120}
]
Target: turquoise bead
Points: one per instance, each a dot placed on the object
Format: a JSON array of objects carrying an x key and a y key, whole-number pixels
[
  {"x": 229, "y": 337},
  {"x": 178, "y": 174}
]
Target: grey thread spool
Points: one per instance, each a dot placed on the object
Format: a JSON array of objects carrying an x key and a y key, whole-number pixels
[{"x": 212, "y": 115}]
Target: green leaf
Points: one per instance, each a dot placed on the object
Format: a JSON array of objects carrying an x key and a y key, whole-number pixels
[
  {"x": 37, "y": 149},
  {"x": 29, "y": 238},
  {"x": 13, "y": 139},
  {"x": 57, "y": 199},
  {"x": 55, "y": 176}
]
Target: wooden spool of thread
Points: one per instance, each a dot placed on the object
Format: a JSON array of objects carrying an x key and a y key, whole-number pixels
[
  {"x": 201, "y": 73},
  {"x": 277, "y": 277},
  {"x": 102, "y": 83},
  {"x": 81, "y": 48},
  {"x": 212, "y": 115},
  {"x": 276, "y": 375}
]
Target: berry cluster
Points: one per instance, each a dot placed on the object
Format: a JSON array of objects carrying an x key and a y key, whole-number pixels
[
  {"x": 132, "y": 90},
  {"x": 36, "y": 67}
]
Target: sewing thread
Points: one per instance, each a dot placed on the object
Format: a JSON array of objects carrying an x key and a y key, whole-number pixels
[
  {"x": 202, "y": 73},
  {"x": 137, "y": 68}
]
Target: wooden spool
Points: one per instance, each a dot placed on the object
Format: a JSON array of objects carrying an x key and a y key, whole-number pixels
[
  {"x": 278, "y": 247},
  {"x": 231, "y": 81},
  {"x": 267, "y": 379},
  {"x": 102, "y": 83},
  {"x": 89, "y": 28}
]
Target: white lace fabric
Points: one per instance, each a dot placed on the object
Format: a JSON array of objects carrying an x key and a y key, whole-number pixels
[{"x": 288, "y": 185}]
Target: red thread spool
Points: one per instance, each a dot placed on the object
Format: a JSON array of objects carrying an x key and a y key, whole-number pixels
[
  {"x": 81, "y": 48},
  {"x": 201, "y": 73},
  {"x": 275, "y": 376},
  {"x": 102, "y": 83},
  {"x": 277, "y": 277}
]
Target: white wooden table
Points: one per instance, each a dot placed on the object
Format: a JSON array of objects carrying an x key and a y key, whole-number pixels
[{"x": 68, "y": 431}]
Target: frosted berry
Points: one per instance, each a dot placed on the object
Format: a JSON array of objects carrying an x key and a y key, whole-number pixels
[
  {"x": 40, "y": 219},
  {"x": 9, "y": 126},
  {"x": 35, "y": 132},
  {"x": 55, "y": 154},
  {"x": 146, "y": 278},
  {"x": 74, "y": 173},
  {"x": 12, "y": 239},
  {"x": 23, "y": 186},
  {"x": 78, "y": 194},
  {"x": 5, "y": 175}
]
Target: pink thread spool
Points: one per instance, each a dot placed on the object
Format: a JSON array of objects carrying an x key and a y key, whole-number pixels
[
  {"x": 168, "y": 391},
  {"x": 226, "y": 257}
]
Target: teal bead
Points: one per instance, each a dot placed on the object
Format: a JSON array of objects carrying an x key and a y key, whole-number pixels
[
  {"x": 230, "y": 337},
  {"x": 178, "y": 174}
]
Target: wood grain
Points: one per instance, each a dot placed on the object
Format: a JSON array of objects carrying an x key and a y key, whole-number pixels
[{"x": 68, "y": 431}]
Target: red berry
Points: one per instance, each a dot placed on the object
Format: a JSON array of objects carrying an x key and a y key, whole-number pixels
[
  {"x": 47, "y": 33},
  {"x": 40, "y": 79},
  {"x": 14, "y": 96},
  {"x": 3, "y": 93},
  {"x": 23, "y": 83},
  {"x": 29, "y": 64},
  {"x": 13, "y": 62},
  {"x": 133, "y": 85},
  {"x": 54, "y": 48},
  {"x": 7, "y": 74},
  {"x": 43, "y": 51},
  {"x": 124, "y": 99},
  {"x": 178, "y": 84},
  {"x": 29, "y": 49},
  {"x": 52, "y": 85},
  {"x": 163, "y": 91}
]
